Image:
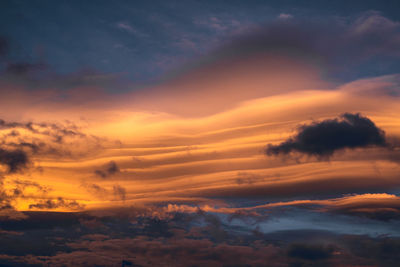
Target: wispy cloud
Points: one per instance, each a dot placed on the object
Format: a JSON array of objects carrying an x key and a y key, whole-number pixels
[{"x": 285, "y": 16}]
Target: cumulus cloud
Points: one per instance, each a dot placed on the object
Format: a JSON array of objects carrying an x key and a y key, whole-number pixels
[{"x": 325, "y": 137}]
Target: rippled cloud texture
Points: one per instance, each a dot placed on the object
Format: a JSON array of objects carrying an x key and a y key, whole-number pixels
[{"x": 239, "y": 135}]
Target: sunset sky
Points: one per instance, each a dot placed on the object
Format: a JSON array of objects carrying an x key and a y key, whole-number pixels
[{"x": 199, "y": 133}]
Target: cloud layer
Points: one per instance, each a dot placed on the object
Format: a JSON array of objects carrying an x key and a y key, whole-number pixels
[{"x": 97, "y": 170}]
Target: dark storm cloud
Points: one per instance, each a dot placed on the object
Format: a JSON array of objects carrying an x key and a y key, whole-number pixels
[
  {"x": 15, "y": 160},
  {"x": 108, "y": 170},
  {"x": 325, "y": 137}
]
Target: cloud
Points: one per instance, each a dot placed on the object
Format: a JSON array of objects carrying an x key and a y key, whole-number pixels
[
  {"x": 110, "y": 169},
  {"x": 382, "y": 207},
  {"x": 325, "y": 137},
  {"x": 125, "y": 26},
  {"x": 130, "y": 29},
  {"x": 202, "y": 239},
  {"x": 281, "y": 56},
  {"x": 56, "y": 131},
  {"x": 285, "y": 16},
  {"x": 178, "y": 158},
  {"x": 15, "y": 160},
  {"x": 146, "y": 252},
  {"x": 18, "y": 190},
  {"x": 55, "y": 204},
  {"x": 376, "y": 206},
  {"x": 21, "y": 185},
  {"x": 119, "y": 192},
  {"x": 96, "y": 190},
  {"x": 45, "y": 139},
  {"x": 338, "y": 47}
]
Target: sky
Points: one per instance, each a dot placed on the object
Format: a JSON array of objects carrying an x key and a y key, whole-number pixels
[{"x": 199, "y": 133}]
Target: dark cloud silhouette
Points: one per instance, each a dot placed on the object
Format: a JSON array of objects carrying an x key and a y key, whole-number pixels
[
  {"x": 59, "y": 203},
  {"x": 325, "y": 137},
  {"x": 14, "y": 160},
  {"x": 110, "y": 169}
]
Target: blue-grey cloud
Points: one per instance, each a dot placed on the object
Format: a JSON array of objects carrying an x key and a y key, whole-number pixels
[{"x": 325, "y": 137}]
